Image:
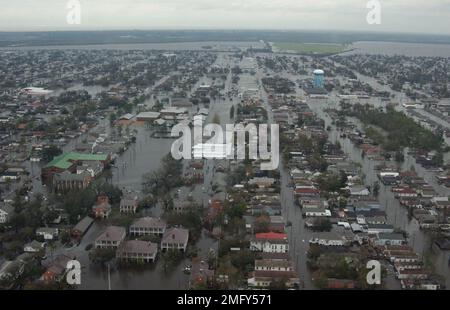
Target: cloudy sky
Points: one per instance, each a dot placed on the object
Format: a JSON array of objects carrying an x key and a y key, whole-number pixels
[{"x": 430, "y": 16}]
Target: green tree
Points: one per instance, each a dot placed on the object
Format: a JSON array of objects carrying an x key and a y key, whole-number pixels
[
  {"x": 170, "y": 259},
  {"x": 50, "y": 152},
  {"x": 232, "y": 112}
]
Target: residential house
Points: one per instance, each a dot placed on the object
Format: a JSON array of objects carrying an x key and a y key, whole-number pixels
[
  {"x": 390, "y": 239},
  {"x": 404, "y": 192},
  {"x": 274, "y": 265},
  {"x": 180, "y": 206},
  {"x": 129, "y": 204},
  {"x": 175, "y": 239},
  {"x": 148, "y": 226},
  {"x": 411, "y": 274},
  {"x": 262, "y": 182},
  {"x": 102, "y": 207},
  {"x": 137, "y": 251},
  {"x": 112, "y": 237},
  {"x": 408, "y": 266},
  {"x": 358, "y": 191},
  {"x": 441, "y": 202},
  {"x": 331, "y": 239},
  {"x": 47, "y": 233},
  {"x": 307, "y": 191},
  {"x": 57, "y": 269},
  {"x": 264, "y": 278},
  {"x": 314, "y": 211},
  {"x": 270, "y": 242},
  {"x": 5, "y": 213},
  {"x": 421, "y": 284},
  {"x": 81, "y": 228}
]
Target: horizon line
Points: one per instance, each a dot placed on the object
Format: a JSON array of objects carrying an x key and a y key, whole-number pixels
[{"x": 234, "y": 29}]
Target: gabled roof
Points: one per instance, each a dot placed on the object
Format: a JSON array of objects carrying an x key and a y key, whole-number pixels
[
  {"x": 150, "y": 222},
  {"x": 136, "y": 246},
  {"x": 176, "y": 235},
  {"x": 112, "y": 233},
  {"x": 84, "y": 224}
]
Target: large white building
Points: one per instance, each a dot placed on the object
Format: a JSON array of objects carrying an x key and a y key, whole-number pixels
[{"x": 270, "y": 243}]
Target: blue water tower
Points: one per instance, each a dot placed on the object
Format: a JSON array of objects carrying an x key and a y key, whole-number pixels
[{"x": 318, "y": 78}]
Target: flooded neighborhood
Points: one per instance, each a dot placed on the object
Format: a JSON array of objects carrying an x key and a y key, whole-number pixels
[{"x": 88, "y": 173}]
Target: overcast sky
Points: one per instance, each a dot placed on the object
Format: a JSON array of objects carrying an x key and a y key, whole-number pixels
[{"x": 429, "y": 16}]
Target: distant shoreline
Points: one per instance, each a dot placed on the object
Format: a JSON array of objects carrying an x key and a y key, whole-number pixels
[
  {"x": 360, "y": 47},
  {"x": 67, "y": 38}
]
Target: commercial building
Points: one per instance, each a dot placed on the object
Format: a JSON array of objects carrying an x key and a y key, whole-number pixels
[{"x": 69, "y": 162}]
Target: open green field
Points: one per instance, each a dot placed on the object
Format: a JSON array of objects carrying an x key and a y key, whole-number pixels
[{"x": 309, "y": 48}]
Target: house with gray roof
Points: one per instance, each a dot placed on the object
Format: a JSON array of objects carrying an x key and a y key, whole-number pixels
[
  {"x": 129, "y": 204},
  {"x": 175, "y": 239},
  {"x": 137, "y": 251},
  {"x": 112, "y": 237},
  {"x": 390, "y": 239},
  {"x": 148, "y": 226},
  {"x": 82, "y": 227}
]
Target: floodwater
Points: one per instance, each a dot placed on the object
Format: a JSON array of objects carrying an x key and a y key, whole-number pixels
[
  {"x": 176, "y": 46},
  {"x": 397, "y": 48},
  {"x": 397, "y": 215},
  {"x": 360, "y": 47},
  {"x": 92, "y": 90},
  {"x": 145, "y": 156}
]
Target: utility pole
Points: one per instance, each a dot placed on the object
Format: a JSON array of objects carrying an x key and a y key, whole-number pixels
[{"x": 109, "y": 278}]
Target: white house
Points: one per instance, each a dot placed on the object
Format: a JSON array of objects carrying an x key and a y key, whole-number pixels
[
  {"x": 274, "y": 265},
  {"x": 390, "y": 239},
  {"x": 47, "y": 233},
  {"x": 148, "y": 226},
  {"x": 5, "y": 213},
  {"x": 129, "y": 205},
  {"x": 270, "y": 243},
  {"x": 137, "y": 251},
  {"x": 112, "y": 237},
  {"x": 359, "y": 191},
  {"x": 330, "y": 239},
  {"x": 175, "y": 239},
  {"x": 317, "y": 212}
]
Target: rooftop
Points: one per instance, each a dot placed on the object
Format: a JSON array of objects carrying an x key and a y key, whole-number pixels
[
  {"x": 149, "y": 222},
  {"x": 112, "y": 233},
  {"x": 65, "y": 161},
  {"x": 136, "y": 246},
  {"x": 271, "y": 235},
  {"x": 176, "y": 235}
]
